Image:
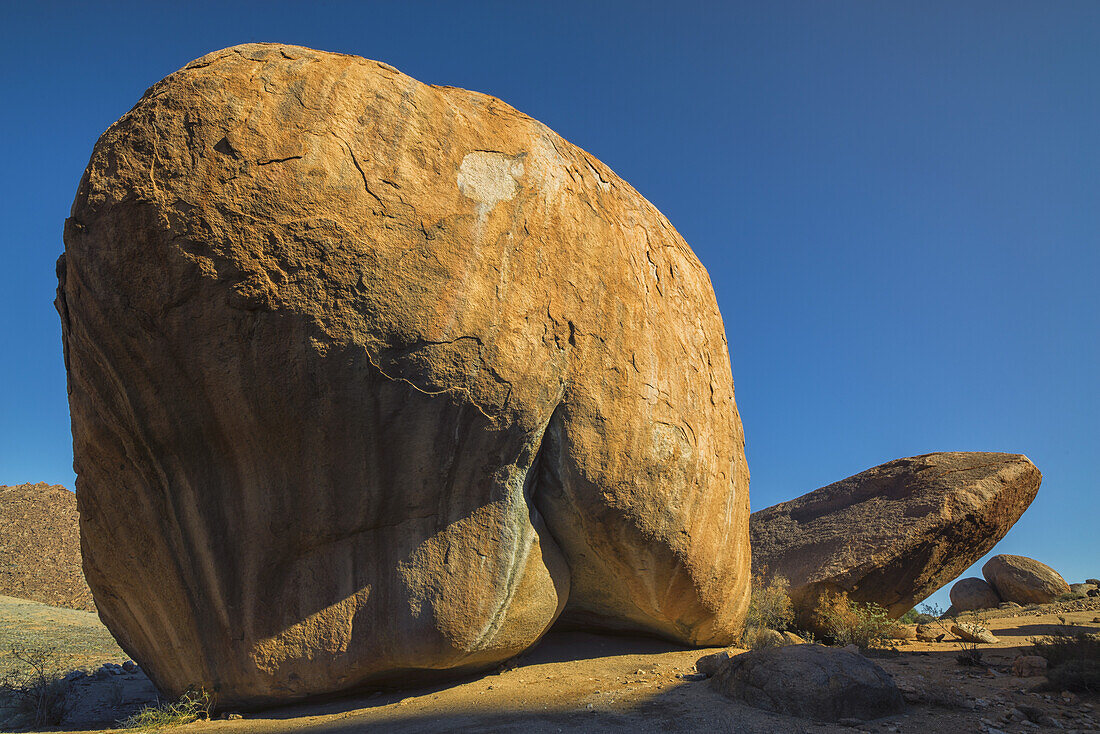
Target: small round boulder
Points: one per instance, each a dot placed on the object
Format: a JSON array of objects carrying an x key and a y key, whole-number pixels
[{"x": 970, "y": 594}]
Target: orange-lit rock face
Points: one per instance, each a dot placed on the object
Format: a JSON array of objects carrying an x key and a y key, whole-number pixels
[{"x": 372, "y": 380}]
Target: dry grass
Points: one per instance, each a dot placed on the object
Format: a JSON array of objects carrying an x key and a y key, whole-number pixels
[{"x": 192, "y": 706}]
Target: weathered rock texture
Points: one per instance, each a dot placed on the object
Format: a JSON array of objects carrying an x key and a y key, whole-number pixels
[
  {"x": 970, "y": 594},
  {"x": 371, "y": 379},
  {"x": 810, "y": 681},
  {"x": 40, "y": 546},
  {"x": 1024, "y": 580},
  {"x": 895, "y": 533}
]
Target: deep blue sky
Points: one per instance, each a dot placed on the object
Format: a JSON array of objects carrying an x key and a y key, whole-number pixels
[{"x": 898, "y": 203}]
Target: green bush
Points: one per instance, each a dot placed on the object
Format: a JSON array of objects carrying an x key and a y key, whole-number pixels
[
  {"x": 1071, "y": 596},
  {"x": 915, "y": 617},
  {"x": 760, "y": 638}
]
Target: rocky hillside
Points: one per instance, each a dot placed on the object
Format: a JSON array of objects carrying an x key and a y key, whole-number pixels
[{"x": 40, "y": 546}]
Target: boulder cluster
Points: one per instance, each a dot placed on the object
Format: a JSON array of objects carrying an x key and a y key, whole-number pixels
[
  {"x": 1015, "y": 579},
  {"x": 372, "y": 382}
]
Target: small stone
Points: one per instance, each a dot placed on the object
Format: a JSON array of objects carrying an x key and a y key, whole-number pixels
[
  {"x": 130, "y": 666},
  {"x": 926, "y": 633},
  {"x": 972, "y": 632},
  {"x": 1029, "y": 666},
  {"x": 709, "y": 664}
]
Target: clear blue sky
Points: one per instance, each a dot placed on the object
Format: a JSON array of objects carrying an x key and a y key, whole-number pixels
[{"x": 898, "y": 203}]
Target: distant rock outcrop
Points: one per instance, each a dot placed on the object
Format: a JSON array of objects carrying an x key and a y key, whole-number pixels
[
  {"x": 970, "y": 594},
  {"x": 895, "y": 533},
  {"x": 1024, "y": 580},
  {"x": 371, "y": 380},
  {"x": 40, "y": 546}
]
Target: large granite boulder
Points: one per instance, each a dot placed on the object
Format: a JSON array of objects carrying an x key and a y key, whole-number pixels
[
  {"x": 371, "y": 381},
  {"x": 893, "y": 534},
  {"x": 808, "y": 681},
  {"x": 1024, "y": 580},
  {"x": 970, "y": 594}
]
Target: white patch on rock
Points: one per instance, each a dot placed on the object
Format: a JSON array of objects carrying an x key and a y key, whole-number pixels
[
  {"x": 489, "y": 178},
  {"x": 548, "y": 167}
]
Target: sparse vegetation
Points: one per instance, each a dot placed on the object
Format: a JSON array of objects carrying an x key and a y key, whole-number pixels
[
  {"x": 1072, "y": 596},
  {"x": 770, "y": 611},
  {"x": 969, "y": 654},
  {"x": 852, "y": 623},
  {"x": 192, "y": 706},
  {"x": 1073, "y": 660},
  {"x": 35, "y": 693},
  {"x": 770, "y": 603},
  {"x": 915, "y": 617}
]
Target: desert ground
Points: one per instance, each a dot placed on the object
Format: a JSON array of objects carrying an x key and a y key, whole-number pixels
[{"x": 574, "y": 682}]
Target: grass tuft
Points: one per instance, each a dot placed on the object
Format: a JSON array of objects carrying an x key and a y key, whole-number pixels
[{"x": 192, "y": 706}]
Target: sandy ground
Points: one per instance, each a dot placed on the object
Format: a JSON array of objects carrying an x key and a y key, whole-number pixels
[{"x": 578, "y": 682}]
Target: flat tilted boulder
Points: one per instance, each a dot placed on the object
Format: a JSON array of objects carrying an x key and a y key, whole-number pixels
[
  {"x": 1024, "y": 580},
  {"x": 971, "y": 594},
  {"x": 895, "y": 533},
  {"x": 371, "y": 381}
]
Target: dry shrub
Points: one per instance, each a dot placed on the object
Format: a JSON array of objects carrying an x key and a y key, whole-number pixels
[
  {"x": 770, "y": 611},
  {"x": 36, "y": 693},
  {"x": 852, "y": 623},
  {"x": 1073, "y": 660},
  {"x": 770, "y": 602}
]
